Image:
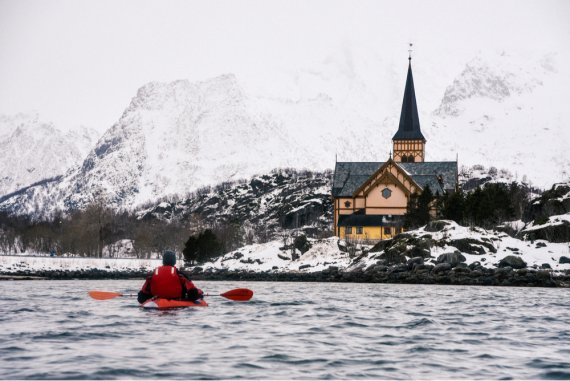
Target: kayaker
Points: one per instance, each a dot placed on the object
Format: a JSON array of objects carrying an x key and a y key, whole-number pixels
[{"x": 167, "y": 282}]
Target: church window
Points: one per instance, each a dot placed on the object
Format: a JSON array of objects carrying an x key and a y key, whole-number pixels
[
  {"x": 347, "y": 204},
  {"x": 386, "y": 193}
]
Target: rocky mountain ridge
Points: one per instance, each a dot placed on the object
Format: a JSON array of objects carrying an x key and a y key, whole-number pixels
[
  {"x": 176, "y": 137},
  {"x": 32, "y": 150}
]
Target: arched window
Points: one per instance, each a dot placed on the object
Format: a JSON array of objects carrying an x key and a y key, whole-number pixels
[{"x": 410, "y": 159}]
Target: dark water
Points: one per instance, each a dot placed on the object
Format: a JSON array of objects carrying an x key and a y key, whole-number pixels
[{"x": 52, "y": 330}]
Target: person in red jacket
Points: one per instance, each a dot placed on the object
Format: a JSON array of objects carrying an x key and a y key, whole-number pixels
[{"x": 167, "y": 282}]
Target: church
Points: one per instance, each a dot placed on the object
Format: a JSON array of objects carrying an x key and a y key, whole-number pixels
[{"x": 371, "y": 198}]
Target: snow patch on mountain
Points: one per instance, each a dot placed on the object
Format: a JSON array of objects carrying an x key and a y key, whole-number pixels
[
  {"x": 32, "y": 150},
  {"x": 499, "y": 110}
]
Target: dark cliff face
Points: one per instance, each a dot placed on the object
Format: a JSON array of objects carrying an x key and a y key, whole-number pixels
[
  {"x": 553, "y": 202},
  {"x": 269, "y": 204}
]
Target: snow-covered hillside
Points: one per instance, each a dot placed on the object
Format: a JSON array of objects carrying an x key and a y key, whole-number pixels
[
  {"x": 264, "y": 207},
  {"x": 32, "y": 150},
  {"x": 498, "y": 110},
  {"x": 486, "y": 247}
]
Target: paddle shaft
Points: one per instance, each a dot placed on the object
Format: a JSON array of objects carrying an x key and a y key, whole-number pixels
[{"x": 238, "y": 294}]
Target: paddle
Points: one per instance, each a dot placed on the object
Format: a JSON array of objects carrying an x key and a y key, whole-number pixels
[{"x": 237, "y": 294}]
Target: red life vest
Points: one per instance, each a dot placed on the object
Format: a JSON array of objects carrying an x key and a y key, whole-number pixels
[{"x": 165, "y": 283}]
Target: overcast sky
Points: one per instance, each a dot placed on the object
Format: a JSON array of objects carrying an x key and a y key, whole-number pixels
[{"x": 80, "y": 62}]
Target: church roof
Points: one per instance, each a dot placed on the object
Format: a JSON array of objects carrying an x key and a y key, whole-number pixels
[
  {"x": 409, "y": 120},
  {"x": 349, "y": 176}
]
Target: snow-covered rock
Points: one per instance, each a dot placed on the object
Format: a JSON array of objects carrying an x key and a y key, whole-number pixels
[{"x": 474, "y": 244}]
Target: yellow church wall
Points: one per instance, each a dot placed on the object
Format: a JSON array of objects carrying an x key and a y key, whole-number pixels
[
  {"x": 394, "y": 211},
  {"x": 369, "y": 233}
]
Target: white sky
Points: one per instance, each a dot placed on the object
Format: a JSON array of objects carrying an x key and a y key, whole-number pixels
[{"x": 81, "y": 61}]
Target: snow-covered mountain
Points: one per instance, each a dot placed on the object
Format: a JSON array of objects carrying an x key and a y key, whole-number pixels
[
  {"x": 509, "y": 113},
  {"x": 32, "y": 150},
  {"x": 176, "y": 137}
]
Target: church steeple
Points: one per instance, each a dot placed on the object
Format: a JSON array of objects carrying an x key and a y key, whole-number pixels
[{"x": 409, "y": 143}]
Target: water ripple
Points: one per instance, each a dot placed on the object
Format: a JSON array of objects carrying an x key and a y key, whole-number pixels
[{"x": 383, "y": 332}]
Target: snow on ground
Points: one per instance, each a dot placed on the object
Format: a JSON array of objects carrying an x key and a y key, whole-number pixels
[
  {"x": 12, "y": 263},
  {"x": 272, "y": 257},
  {"x": 533, "y": 253}
]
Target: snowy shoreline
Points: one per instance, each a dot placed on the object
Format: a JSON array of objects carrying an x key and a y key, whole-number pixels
[{"x": 443, "y": 253}]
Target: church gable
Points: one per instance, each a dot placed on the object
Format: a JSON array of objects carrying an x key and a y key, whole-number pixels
[{"x": 389, "y": 173}]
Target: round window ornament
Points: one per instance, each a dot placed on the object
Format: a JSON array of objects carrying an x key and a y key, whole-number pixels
[{"x": 386, "y": 193}]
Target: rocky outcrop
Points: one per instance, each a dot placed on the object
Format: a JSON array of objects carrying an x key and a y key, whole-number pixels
[
  {"x": 549, "y": 215},
  {"x": 512, "y": 261},
  {"x": 553, "y": 202},
  {"x": 472, "y": 246},
  {"x": 553, "y": 232},
  {"x": 453, "y": 259}
]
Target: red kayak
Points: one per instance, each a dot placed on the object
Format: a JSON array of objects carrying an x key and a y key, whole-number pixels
[{"x": 165, "y": 304}]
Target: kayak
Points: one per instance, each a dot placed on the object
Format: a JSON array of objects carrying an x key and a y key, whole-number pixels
[{"x": 164, "y": 304}]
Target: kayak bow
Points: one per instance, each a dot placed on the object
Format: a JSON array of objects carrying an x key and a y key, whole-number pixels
[{"x": 164, "y": 304}]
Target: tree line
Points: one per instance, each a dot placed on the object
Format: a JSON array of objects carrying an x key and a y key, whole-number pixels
[
  {"x": 486, "y": 206},
  {"x": 86, "y": 233}
]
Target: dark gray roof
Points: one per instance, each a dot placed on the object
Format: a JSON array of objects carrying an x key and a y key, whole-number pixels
[
  {"x": 409, "y": 127},
  {"x": 369, "y": 220},
  {"x": 349, "y": 176}
]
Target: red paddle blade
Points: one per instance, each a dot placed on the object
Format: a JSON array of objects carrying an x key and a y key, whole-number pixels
[
  {"x": 238, "y": 294},
  {"x": 103, "y": 295}
]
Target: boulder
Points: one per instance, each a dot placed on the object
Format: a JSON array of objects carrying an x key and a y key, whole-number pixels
[
  {"x": 436, "y": 226},
  {"x": 475, "y": 265},
  {"x": 414, "y": 261},
  {"x": 387, "y": 243},
  {"x": 341, "y": 244},
  {"x": 442, "y": 267},
  {"x": 452, "y": 258},
  {"x": 512, "y": 261},
  {"x": 558, "y": 233},
  {"x": 393, "y": 256},
  {"x": 545, "y": 266},
  {"x": 472, "y": 246},
  {"x": 418, "y": 252},
  {"x": 564, "y": 260}
]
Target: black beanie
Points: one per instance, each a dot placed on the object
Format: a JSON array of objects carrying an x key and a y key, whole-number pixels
[{"x": 169, "y": 258}]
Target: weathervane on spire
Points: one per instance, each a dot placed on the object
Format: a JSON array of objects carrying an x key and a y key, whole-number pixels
[{"x": 410, "y": 52}]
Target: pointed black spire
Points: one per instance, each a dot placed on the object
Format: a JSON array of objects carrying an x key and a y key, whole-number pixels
[{"x": 409, "y": 128}]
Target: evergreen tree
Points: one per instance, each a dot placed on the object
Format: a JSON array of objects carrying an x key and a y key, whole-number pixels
[
  {"x": 452, "y": 207},
  {"x": 202, "y": 248},
  {"x": 417, "y": 213},
  {"x": 489, "y": 206}
]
